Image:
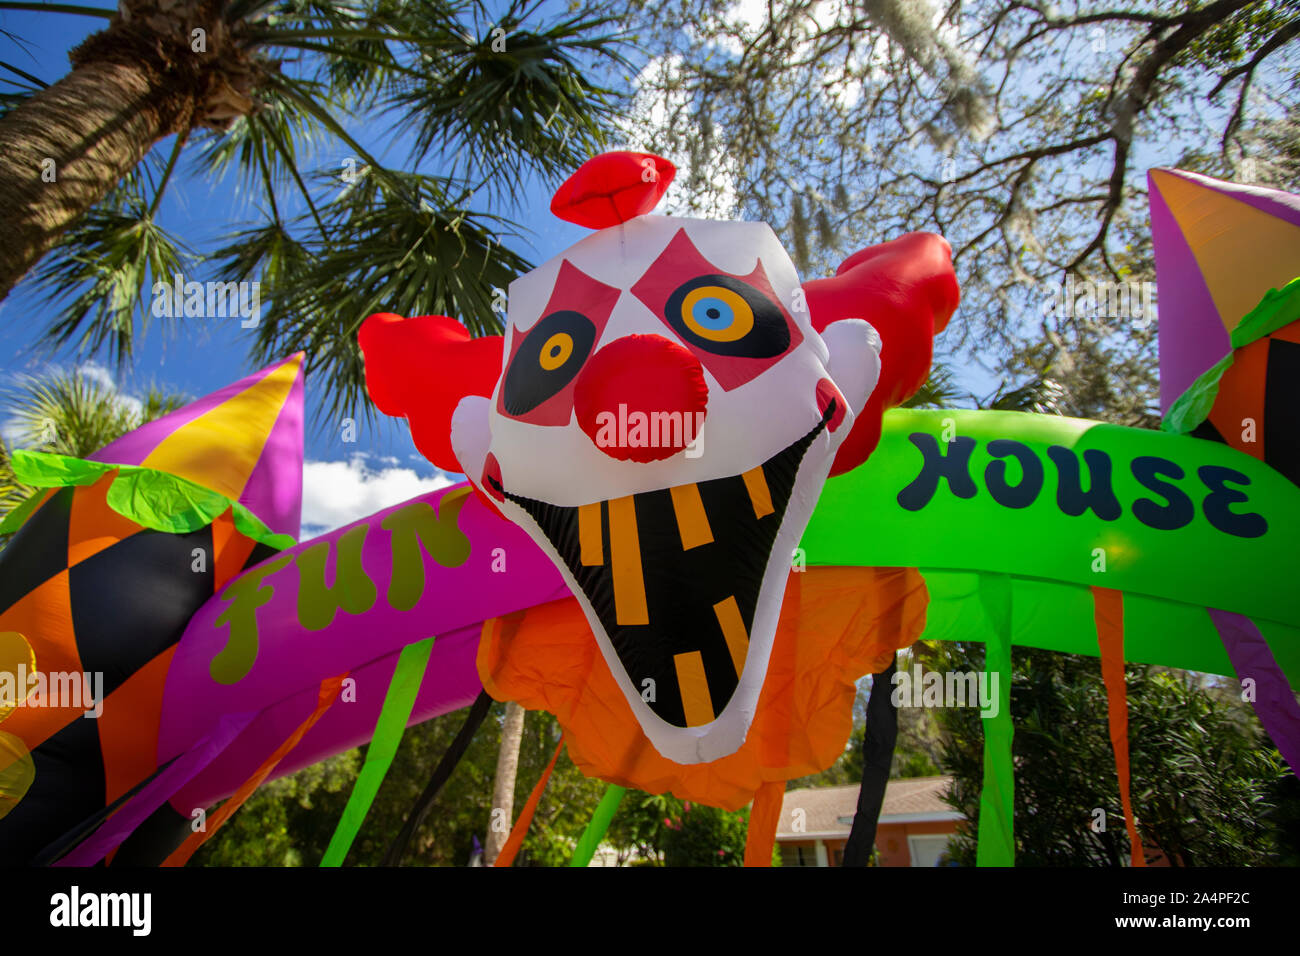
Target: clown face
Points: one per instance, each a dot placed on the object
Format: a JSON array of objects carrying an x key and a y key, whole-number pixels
[{"x": 662, "y": 427}]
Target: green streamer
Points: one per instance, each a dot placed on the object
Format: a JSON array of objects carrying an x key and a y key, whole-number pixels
[
  {"x": 600, "y": 821},
  {"x": 997, "y": 844},
  {"x": 399, "y": 700}
]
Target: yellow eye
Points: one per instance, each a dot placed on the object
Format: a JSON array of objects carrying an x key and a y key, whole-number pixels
[
  {"x": 717, "y": 314},
  {"x": 556, "y": 351}
]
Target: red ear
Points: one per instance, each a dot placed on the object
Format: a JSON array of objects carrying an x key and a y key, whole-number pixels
[
  {"x": 907, "y": 290},
  {"x": 421, "y": 368}
]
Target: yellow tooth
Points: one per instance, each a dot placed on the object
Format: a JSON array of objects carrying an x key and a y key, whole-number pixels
[
  {"x": 592, "y": 550},
  {"x": 759, "y": 496},
  {"x": 692, "y": 522},
  {"x": 733, "y": 629},
  {"x": 625, "y": 563},
  {"x": 696, "y": 702}
]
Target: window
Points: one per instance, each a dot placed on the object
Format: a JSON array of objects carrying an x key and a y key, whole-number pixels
[
  {"x": 798, "y": 855},
  {"x": 926, "y": 850}
]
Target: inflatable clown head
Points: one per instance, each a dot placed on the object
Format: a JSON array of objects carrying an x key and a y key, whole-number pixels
[{"x": 668, "y": 403}]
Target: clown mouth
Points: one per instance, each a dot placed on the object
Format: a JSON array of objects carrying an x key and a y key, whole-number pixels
[{"x": 675, "y": 576}]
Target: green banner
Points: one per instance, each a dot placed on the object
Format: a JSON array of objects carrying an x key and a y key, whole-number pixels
[{"x": 1069, "y": 501}]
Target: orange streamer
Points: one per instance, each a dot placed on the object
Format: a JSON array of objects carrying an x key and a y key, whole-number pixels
[
  {"x": 1108, "y": 612},
  {"x": 329, "y": 692},
  {"x": 764, "y": 817},
  {"x": 520, "y": 829}
]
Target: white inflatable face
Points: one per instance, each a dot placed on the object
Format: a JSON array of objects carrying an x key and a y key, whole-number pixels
[{"x": 663, "y": 425}]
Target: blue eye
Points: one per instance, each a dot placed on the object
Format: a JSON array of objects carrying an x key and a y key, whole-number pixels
[
  {"x": 713, "y": 314},
  {"x": 716, "y": 313}
]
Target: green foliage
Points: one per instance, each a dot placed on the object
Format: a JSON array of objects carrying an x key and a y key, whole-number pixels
[
  {"x": 289, "y": 822},
  {"x": 913, "y": 763},
  {"x": 512, "y": 85},
  {"x": 641, "y": 825},
  {"x": 705, "y": 836},
  {"x": 1207, "y": 785},
  {"x": 406, "y": 256},
  {"x": 265, "y": 830},
  {"x": 104, "y": 265},
  {"x": 939, "y": 390},
  {"x": 565, "y": 807},
  {"x": 275, "y": 827}
]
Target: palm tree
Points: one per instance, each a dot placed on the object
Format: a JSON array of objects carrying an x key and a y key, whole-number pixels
[
  {"x": 244, "y": 87},
  {"x": 69, "y": 413}
]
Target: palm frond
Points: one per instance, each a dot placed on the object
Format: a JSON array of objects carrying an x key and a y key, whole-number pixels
[
  {"x": 157, "y": 402},
  {"x": 939, "y": 390},
  {"x": 22, "y": 89},
  {"x": 104, "y": 13},
  {"x": 272, "y": 138},
  {"x": 67, "y": 413},
  {"x": 406, "y": 242},
  {"x": 383, "y": 254},
  {"x": 12, "y": 491},
  {"x": 104, "y": 265},
  {"x": 512, "y": 98},
  {"x": 1045, "y": 396}
]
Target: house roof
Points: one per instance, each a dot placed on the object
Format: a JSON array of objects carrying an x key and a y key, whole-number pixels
[{"x": 829, "y": 810}]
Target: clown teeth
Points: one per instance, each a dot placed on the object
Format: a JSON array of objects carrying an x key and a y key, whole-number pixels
[{"x": 675, "y": 576}]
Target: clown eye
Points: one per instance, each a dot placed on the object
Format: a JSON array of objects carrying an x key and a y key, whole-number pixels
[
  {"x": 556, "y": 351},
  {"x": 728, "y": 317},
  {"x": 717, "y": 314},
  {"x": 548, "y": 359}
]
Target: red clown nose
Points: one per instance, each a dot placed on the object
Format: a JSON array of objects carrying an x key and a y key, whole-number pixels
[{"x": 641, "y": 398}]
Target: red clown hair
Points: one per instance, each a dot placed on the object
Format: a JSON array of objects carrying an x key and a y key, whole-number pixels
[{"x": 907, "y": 290}]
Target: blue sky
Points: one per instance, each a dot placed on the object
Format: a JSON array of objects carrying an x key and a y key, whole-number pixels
[
  {"x": 204, "y": 355},
  {"x": 342, "y": 481}
]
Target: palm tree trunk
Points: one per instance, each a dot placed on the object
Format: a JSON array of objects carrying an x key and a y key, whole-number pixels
[
  {"x": 161, "y": 67},
  {"x": 503, "y": 791},
  {"x": 95, "y": 125}
]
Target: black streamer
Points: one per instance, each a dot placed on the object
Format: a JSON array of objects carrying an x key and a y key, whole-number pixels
[
  {"x": 877, "y": 757},
  {"x": 441, "y": 774}
]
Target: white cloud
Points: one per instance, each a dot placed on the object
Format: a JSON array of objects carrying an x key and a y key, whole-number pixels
[
  {"x": 335, "y": 493},
  {"x": 98, "y": 374}
]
